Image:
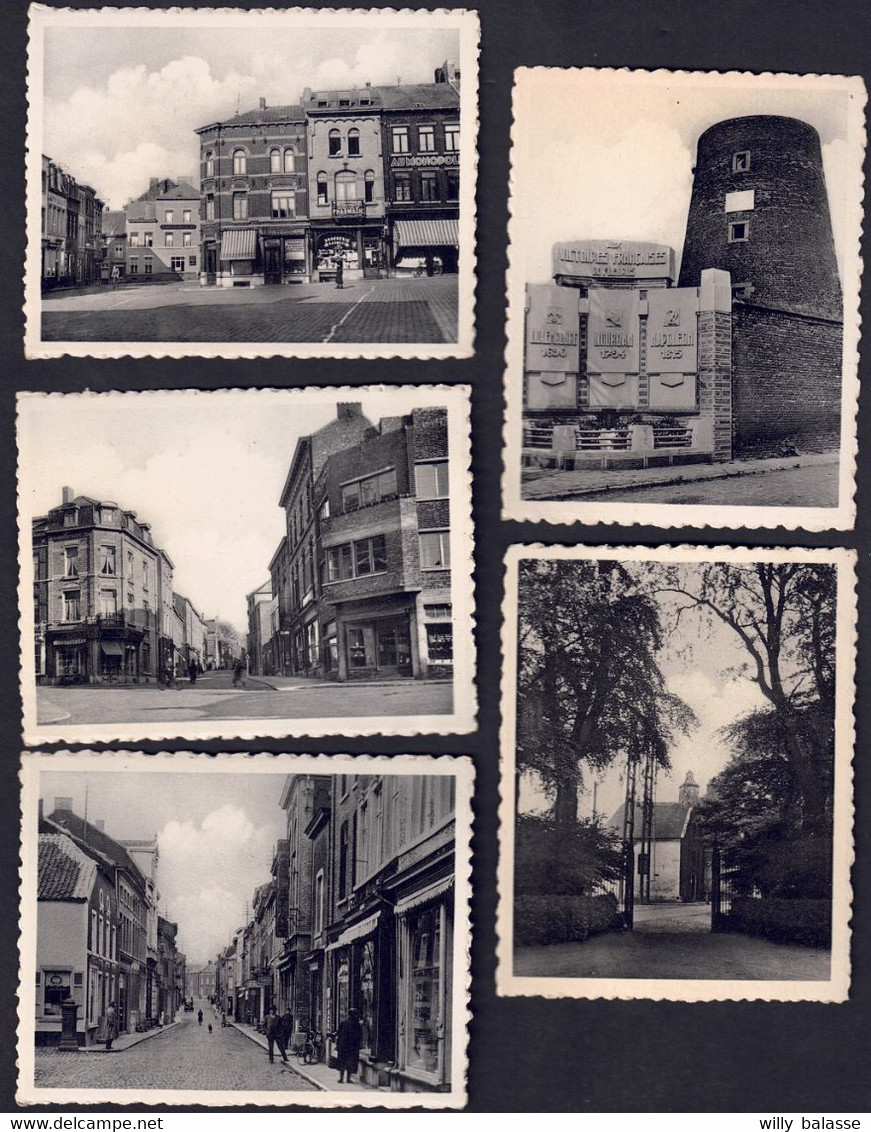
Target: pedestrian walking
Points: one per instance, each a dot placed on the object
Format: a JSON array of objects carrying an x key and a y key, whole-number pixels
[
  {"x": 238, "y": 668},
  {"x": 210, "y": 1027},
  {"x": 192, "y": 676},
  {"x": 223, "y": 1019},
  {"x": 349, "y": 1039},
  {"x": 287, "y": 1029},
  {"x": 116, "y": 275},
  {"x": 273, "y": 1035},
  {"x": 340, "y": 273},
  {"x": 200, "y": 1017},
  {"x": 111, "y": 1025}
]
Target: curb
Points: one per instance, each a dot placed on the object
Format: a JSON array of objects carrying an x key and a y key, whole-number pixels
[
  {"x": 255, "y": 1038},
  {"x": 723, "y": 472},
  {"x": 138, "y": 1040},
  {"x": 334, "y": 684}
]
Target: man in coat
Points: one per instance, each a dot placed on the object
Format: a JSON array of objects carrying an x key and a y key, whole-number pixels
[
  {"x": 287, "y": 1029},
  {"x": 349, "y": 1038},
  {"x": 274, "y": 1036},
  {"x": 111, "y": 1025}
]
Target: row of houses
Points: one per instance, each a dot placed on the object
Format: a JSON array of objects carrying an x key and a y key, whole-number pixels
[
  {"x": 100, "y": 937},
  {"x": 105, "y": 610},
  {"x": 368, "y": 176},
  {"x": 360, "y": 584},
  {"x": 358, "y": 914},
  {"x": 71, "y": 249}
]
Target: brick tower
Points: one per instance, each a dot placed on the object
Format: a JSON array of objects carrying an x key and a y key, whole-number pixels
[{"x": 760, "y": 211}]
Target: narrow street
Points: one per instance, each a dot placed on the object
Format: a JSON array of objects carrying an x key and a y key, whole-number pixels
[
  {"x": 408, "y": 309},
  {"x": 214, "y": 697},
  {"x": 186, "y": 1056}
]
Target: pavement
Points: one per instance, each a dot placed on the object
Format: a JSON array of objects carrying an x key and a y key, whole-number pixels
[
  {"x": 319, "y": 1074},
  {"x": 674, "y": 941},
  {"x": 799, "y": 481},
  {"x": 407, "y": 310},
  {"x": 184, "y": 1056},
  {"x": 213, "y": 697}
]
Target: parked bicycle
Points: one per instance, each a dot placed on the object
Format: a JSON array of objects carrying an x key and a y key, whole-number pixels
[{"x": 311, "y": 1050}]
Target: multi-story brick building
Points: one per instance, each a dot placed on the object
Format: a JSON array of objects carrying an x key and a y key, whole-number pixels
[
  {"x": 97, "y": 599},
  {"x": 71, "y": 229},
  {"x": 131, "y": 910},
  {"x": 113, "y": 236},
  {"x": 346, "y": 182},
  {"x": 255, "y": 198},
  {"x": 366, "y": 589},
  {"x": 421, "y": 146},
  {"x": 259, "y": 627},
  {"x": 163, "y": 232}
]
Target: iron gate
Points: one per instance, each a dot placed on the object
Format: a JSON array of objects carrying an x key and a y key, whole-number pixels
[{"x": 722, "y": 889}]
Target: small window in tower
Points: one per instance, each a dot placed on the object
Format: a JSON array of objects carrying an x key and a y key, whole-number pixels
[
  {"x": 741, "y": 161},
  {"x": 739, "y": 231}
]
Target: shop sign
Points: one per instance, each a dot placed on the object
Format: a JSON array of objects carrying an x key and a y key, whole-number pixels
[
  {"x": 612, "y": 331},
  {"x": 177, "y": 227},
  {"x": 672, "y": 332},
  {"x": 613, "y": 259},
  {"x": 421, "y": 160},
  {"x": 338, "y": 243},
  {"x": 66, "y": 642},
  {"x": 552, "y": 329}
]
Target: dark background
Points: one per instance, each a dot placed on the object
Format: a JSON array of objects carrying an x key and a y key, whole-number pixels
[{"x": 524, "y": 1054}]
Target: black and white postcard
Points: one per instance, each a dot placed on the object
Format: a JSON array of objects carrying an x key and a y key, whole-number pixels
[{"x": 676, "y": 817}]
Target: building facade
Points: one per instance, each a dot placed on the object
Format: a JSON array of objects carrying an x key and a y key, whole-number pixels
[
  {"x": 71, "y": 229},
  {"x": 363, "y": 574},
  {"x": 113, "y": 236},
  {"x": 97, "y": 598},
  {"x": 259, "y": 629},
  {"x": 163, "y": 232},
  {"x": 254, "y": 189}
]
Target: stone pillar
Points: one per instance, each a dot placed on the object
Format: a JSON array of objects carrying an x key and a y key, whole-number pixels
[
  {"x": 715, "y": 359},
  {"x": 417, "y": 668},
  {"x": 342, "y": 644},
  {"x": 641, "y": 438},
  {"x": 68, "y": 1039}
]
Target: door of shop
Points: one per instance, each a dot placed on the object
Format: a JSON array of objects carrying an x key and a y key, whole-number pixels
[
  {"x": 272, "y": 261},
  {"x": 372, "y": 258},
  {"x": 393, "y": 647},
  {"x": 210, "y": 262}
]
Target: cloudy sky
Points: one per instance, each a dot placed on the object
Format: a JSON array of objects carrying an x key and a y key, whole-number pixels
[
  {"x": 611, "y": 156},
  {"x": 121, "y": 103},
  {"x": 704, "y": 665},
  {"x": 206, "y": 470},
  {"x": 216, "y": 834}
]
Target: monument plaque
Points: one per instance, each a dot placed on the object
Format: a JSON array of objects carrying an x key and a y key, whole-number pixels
[{"x": 552, "y": 329}]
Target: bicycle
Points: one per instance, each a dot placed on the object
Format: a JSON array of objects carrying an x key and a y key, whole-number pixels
[{"x": 311, "y": 1049}]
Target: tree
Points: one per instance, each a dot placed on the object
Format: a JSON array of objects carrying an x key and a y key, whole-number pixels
[
  {"x": 589, "y": 684},
  {"x": 755, "y": 812},
  {"x": 784, "y": 615},
  {"x": 554, "y": 859}
]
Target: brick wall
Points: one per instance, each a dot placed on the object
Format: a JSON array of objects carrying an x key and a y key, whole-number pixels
[{"x": 786, "y": 381}]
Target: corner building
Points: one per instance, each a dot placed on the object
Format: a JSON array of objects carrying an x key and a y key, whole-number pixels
[
  {"x": 254, "y": 187},
  {"x": 363, "y": 578}
]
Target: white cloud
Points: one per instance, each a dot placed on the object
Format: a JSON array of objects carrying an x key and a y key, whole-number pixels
[{"x": 207, "y": 872}]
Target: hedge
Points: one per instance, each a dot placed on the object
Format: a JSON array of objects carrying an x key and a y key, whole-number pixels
[
  {"x": 562, "y": 919},
  {"x": 808, "y": 922}
]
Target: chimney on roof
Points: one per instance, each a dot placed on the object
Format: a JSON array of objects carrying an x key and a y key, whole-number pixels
[
  {"x": 67, "y": 495},
  {"x": 347, "y": 410},
  {"x": 63, "y": 803},
  {"x": 307, "y": 94},
  {"x": 262, "y": 103}
]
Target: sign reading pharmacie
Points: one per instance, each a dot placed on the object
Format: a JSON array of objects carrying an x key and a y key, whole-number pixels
[{"x": 613, "y": 259}]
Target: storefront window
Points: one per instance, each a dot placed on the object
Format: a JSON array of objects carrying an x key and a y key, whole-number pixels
[
  {"x": 424, "y": 1008},
  {"x": 440, "y": 642},
  {"x": 366, "y": 995},
  {"x": 356, "y": 648},
  {"x": 57, "y": 988},
  {"x": 342, "y": 988}
]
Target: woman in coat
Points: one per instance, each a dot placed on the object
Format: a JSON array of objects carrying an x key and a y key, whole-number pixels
[
  {"x": 111, "y": 1025},
  {"x": 349, "y": 1038}
]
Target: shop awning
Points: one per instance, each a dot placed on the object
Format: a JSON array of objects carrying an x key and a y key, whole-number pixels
[
  {"x": 426, "y": 233},
  {"x": 239, "y": 243},
  {"x": 355, "y": 931},
  {"x": 112, "y": 648},
  {"x": 431, "y": 892}
]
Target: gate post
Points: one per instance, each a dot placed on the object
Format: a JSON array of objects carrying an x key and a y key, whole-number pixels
[
  {"x": 628, "y": 885},
  {"x": 715, "y": 887}
]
